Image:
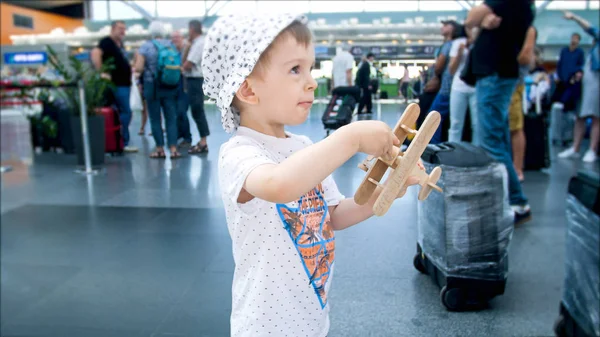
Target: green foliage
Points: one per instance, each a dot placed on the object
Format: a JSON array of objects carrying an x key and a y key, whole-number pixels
[
  {"x": 45, "y": 124},
  {"x": 96, "y": 87}
]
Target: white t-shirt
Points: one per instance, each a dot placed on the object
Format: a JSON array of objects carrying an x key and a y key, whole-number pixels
[
  {"x": 457, "y": 83},
  {"x": 341, "y": 63},
  {"x": 195, "y": 56},
  {"x": 283, "y": 253}
]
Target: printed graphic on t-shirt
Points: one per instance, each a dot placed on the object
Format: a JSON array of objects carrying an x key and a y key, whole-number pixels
[{"x": 310, "y": 229}]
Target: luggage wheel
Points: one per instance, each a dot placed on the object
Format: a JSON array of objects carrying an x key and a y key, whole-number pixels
[
  {"x": 418, "y": 263},
  {"x": 452, "y": 298},
  {"x": 560, "y": 328}
]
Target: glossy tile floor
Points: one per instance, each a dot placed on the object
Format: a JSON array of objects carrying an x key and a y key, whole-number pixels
[{"x": 142, "y": 249}]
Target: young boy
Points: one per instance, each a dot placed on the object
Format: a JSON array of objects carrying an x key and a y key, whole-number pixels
[{"x": 282, "y": 206}]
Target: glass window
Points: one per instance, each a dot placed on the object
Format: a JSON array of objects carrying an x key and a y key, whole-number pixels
[
  {"x": 178, "y": 9},
  {"x": 391, "y": 6},
  {"x": 234, "y": 7},
  {"x": 99, "y": 12},
  {"x": 567, "y": 5},
  {"x": 594, "y": 4},
  {"x": 336, "y": 6},
  {"x": 121, "y": 11},
  {"x": 283, "y": 6},
  {"x": 149, "y": 6},
  {"x": 439, "y": 6}
]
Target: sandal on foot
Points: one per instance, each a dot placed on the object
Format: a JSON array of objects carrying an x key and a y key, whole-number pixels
[
  {"x": 197, "y": 149},
  {"x": 158, "y": 154},
  {"x": 175, "y": 155}
]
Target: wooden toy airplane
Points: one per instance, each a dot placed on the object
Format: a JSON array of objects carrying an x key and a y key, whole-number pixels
[{"x": 403, "y": 164}]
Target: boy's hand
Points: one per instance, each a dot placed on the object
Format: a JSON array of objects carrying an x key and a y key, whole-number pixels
[{"x": 374, "y": 138}]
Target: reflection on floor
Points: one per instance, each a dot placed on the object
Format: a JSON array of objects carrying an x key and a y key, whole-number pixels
[{"x": 142, "y": 249}]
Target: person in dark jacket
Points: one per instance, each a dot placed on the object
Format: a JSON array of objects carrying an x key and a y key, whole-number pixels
[{"x": 363, "y": 81}]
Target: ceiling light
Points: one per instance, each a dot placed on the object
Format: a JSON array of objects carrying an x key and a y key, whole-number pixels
[
  {"x": 421, "y": 41},
  {"x": 350, "y": 42},
  {"x": 408, "y": 41},
  {"x": 395, "y": 41}
]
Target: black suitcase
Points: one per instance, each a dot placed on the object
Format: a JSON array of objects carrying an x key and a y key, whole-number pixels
[
  {"x": 579, "y": 312},
  {"x": 465, "y": 231},
  {"x": 340, "y": 108},
  {"x": 537, "y": 150}
]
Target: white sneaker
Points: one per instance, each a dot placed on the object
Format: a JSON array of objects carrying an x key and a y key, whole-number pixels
[
  {"x": 568, "y": 153},
  {"x": 130, "y": 149},
  {"x": 590, "y": 156}
]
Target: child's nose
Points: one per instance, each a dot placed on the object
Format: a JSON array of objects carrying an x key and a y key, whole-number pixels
[{"x": 312, "y": 84}]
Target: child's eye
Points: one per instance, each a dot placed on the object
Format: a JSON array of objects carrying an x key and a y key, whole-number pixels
[{"x": 296, "y": 70}]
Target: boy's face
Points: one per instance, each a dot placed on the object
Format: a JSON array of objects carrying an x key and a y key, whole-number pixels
[{"x": 285, "y": 87}]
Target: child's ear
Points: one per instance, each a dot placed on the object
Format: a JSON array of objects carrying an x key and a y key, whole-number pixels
[{"x": 246, "y": 94}]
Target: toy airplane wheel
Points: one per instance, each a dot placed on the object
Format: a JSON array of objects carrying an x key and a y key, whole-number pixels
[{"x": 433, "y": 179}]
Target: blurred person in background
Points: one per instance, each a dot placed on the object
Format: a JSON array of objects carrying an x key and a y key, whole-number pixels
[
  {"x": 404, "y": 83},
  {"x": 183, "y": 100},
  {"x": 363, "y": 81},
  {"x": 570, "y": 61},
  {"x": 451, "y": 30},
  {"x": 342, "y": 67},
  {"x": 462, "y": 95},
  {"x": 503, "y": 27},
  {"x": 589, "y": 106},
  {"x": 112, "y": 48},
  {"x": 194, "y": 79},
  {"x": 516, "y": 110},
  {"x": 156, "y": 94}
]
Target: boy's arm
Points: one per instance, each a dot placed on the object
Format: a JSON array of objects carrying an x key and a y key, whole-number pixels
[
  {"x": 347, "y": 213},
  {"x": 305, "y": 169}
]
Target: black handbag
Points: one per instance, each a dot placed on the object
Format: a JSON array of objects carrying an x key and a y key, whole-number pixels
[{"x": 466, "y": 75}]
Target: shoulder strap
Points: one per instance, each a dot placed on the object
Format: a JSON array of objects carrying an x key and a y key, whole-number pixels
[{"x": 158, "y": 46}]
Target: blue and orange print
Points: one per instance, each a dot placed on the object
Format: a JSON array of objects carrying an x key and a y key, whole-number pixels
[{"x": 309, "y": 227}]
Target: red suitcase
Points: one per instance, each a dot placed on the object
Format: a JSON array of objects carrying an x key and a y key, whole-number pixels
[{"x": 112, "y": 128}]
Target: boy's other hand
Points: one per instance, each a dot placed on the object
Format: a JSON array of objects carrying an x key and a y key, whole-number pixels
[{"x": 374, "y": 138}]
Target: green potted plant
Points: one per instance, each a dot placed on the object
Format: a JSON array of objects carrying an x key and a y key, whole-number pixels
[{"x": 96, "y": 90}]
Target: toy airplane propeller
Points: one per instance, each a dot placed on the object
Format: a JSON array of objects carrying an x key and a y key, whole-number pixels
[{"x": 403, "y": 165}]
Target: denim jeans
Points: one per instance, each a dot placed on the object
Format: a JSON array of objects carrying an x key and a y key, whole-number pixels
[
  {"x": 167, "y": 100},
  {"x": 183, "y": 123},
  {"x": 122, "y": 95},
  {"x": 441, "y": 104},
  {"x": 196, "y": 95},
  {"x": 459, "y": 102},
  {"x": 493, "y": 99}
]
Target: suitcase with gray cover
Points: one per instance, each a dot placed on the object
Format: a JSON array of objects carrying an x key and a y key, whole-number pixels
[
  {"x": 580, "y": 305},
  {"x": 464, "y": 232}
]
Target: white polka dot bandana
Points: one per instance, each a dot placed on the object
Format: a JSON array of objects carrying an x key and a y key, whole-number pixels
[{"x": 233, "y": 46}]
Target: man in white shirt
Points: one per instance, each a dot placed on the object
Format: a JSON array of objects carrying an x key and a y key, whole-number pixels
[
  {"x": 193, "y": 72},
  {"x": 342, "y": 68}
]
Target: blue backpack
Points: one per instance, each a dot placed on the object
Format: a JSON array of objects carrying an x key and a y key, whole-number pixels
[{"x": 169, "y": 65}]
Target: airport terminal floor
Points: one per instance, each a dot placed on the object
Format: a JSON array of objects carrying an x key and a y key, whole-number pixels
[{"x": 142, "y": 249}]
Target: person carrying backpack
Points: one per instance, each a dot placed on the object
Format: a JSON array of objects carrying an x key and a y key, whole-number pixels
[{"x": 160, "y": 64}]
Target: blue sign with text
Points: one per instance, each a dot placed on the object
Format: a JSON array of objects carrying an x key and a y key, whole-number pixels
[{"x": 26, "y": 58}]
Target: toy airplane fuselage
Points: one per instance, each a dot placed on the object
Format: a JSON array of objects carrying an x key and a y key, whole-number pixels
[{"x": 403, "y": 165}]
